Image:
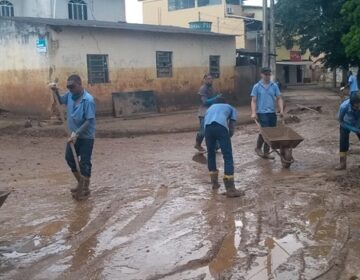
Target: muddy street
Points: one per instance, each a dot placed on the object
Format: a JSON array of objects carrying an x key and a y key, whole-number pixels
[{"x": 152, "y": 213}]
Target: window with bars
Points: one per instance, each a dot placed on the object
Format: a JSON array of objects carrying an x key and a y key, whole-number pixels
[
  {"x": 163, "y": 64},
  {"x": 214, "y": 66},
  {"x": 98, "y": 71},
  {"x": 234, "y": 2},
  {"x": 202, "y": 3},
  {"x": 77, "y": 10},
  {"x": 180, "y": 4},
  {"x": 6, "y": 9}
]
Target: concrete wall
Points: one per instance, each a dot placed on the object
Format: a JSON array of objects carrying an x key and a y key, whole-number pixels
[
  {"x": 132, "y": 63},
  {"x": 156, "y": 12},
  {"x": 23, "y": 71},
  {"x": 109, "y": 10},
  {"x": 245, "y": 78}
]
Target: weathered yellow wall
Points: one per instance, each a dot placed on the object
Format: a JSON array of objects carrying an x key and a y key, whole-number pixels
[
  {"x": 132, "y": 63},
  {"x": 24, "y": 73},
  {"x": 284, "y": 54},
  {"x": 156, "y": 12}
]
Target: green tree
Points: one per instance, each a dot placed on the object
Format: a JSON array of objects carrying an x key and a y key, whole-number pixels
[
  {"x": 317, "y": 25},
  {"x": 351, "y": 40}
]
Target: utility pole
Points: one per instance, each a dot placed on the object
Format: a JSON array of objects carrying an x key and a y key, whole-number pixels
[
  {"x": 265, "y": 51},
  {"x": 272, "y": 40}
]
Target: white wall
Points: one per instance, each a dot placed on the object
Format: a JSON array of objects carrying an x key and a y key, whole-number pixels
[{"x": 105, "y": 10}]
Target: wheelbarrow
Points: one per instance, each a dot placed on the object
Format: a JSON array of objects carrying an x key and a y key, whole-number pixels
[
  {"x": 282, "y": 140},
  {"x": 3, "y": 196}
]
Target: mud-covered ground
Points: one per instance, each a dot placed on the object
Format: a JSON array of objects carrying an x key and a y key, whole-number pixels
[{"x": 152, "y": 214}]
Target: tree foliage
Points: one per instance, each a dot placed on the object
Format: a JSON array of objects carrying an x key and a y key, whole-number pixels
[
  {"x": 316, "y": 25},
  {"x": 351, "y": 40}
]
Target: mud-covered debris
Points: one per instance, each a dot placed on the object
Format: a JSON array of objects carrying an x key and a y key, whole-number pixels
[
  {"x": 305, "y": 109},
  {"x": 292, "y": 119},
  {"x": 348, "y": 181},
  {"x": 27, "y": 123}
]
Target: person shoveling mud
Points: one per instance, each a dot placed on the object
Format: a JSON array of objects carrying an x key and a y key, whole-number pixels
[
  {"x": 349, "y": 118},
  {"x": 80, "y": 107},
  {"x": 208, "y": 97},
  {"x": 219, "y": 125}
]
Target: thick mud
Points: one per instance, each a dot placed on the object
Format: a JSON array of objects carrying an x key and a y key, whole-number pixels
[{"x": 152, "y": 213}]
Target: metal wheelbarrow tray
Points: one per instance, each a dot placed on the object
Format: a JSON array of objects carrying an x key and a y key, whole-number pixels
[
  {"x": 284, "y": 139},
  {"x": 3, "y": 196}
]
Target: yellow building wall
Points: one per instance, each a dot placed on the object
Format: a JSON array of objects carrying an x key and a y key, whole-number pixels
[
  {"x": 284, "y": 54},
  {"x": 156, "y": 12}
]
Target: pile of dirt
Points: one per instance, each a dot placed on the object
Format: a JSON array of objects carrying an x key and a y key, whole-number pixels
[
  {"x": 304, "y": 109},
  {"x": 292, "y": 119},
  {"x": 348, "y": 181}
]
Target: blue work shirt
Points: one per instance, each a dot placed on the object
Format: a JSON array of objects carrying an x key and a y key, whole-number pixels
[
  {"x": 78, "y": 114},
  {"x": 221, "y": 114},
  {"x": 348, "y": 115},
  {"x": 265, "y": 97},
  {"x": 353, "y": 83}
]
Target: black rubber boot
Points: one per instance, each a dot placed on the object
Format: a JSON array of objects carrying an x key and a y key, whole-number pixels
[
  {"x": 259, "y": 144},
  {"x": 198, "y": 144},
  {"x": 214, "y": 175},
  {"x": 231, "y": 191},
  {"x": 267, "y": 152},
  {"x": 342, "y": 165}
]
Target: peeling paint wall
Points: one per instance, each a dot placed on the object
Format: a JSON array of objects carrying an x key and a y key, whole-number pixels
[
  {"x": 132, "y": 65},
  {"x": 23, "y": 71}
]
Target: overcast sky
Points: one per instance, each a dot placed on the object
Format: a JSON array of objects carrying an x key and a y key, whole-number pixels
[{"x": 134, "y": 9}]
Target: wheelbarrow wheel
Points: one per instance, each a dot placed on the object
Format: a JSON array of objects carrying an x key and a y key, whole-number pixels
[{"x": 286, "y": 157}]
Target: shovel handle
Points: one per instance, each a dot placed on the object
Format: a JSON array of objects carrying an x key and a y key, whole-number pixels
[{"x": 62, "y": 117}]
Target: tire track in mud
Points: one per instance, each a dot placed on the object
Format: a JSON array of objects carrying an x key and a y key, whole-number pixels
[
  {"x": 130, "y": 228},
  {"x": 96, "y": 226}
]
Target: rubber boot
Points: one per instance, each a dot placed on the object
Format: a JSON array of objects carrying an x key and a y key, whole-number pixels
[
  {"x": 83, "y": 191},
  {"x": 342, "y": 165},
  {"x": 267, "y": 154},
  {"x": 231, "y": 191},
  {"x": 198, "y": 144},
  {"x": 214, "y": 175},
  {"x": 259, "y": 143},
  {"x": 77, "y": 177}
]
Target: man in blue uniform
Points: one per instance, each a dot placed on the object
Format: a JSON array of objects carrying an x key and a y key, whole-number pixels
[
  {"x": 352, "y": 84},
  {"x": 80, "y": 108},
  {"x": 265, "y": 96},
  {"x": 219, "y": 124},
  {"x": 207, "y": 97},
  {"x": 349, "y": 118}
]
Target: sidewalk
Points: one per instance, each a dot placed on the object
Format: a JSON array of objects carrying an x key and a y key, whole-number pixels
[{"x": 110, "y": 127}]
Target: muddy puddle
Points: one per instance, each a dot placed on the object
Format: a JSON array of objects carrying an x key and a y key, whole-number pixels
[{"x": 152, "y": 213}]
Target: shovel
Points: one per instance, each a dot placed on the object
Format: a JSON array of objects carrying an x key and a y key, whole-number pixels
[
  {"x": 3, "y": 196},
  {"x": 62, "y": 117}
]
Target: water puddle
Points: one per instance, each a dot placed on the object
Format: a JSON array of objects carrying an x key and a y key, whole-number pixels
[
  {"x": 278, "y": 251},
  {"x": 228, "y": 251}
]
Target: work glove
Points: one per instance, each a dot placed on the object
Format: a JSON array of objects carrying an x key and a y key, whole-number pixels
[
  {"x": 73, "y": 137},
  {"x": 342, "y": 88}
]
